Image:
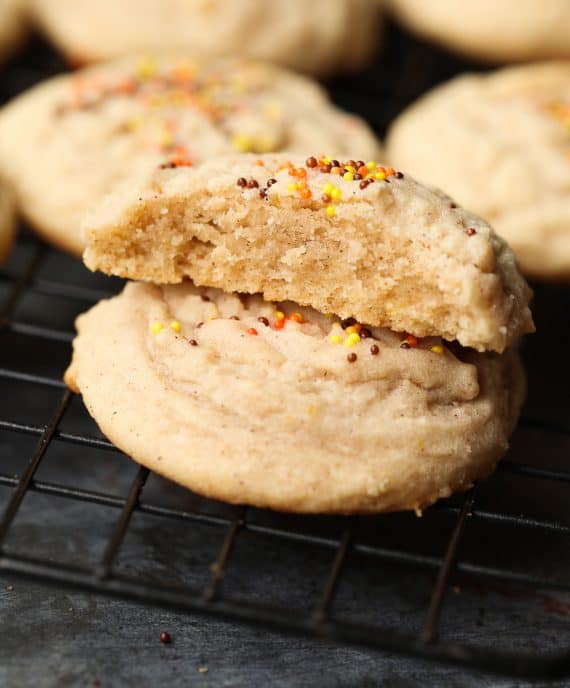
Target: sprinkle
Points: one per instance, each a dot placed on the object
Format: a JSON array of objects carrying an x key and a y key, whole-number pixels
[
  {"x": 252, "y": 330},
  {"x": 192, "y": 342},
  {"x": 330, "y": 210},
  {"x": 364, "y": 332},
  {"x": 297, "y": 317},
  {"x": 327, "y": 188},
  {"x": 348, "y": 177},
  {"x": 404, "y": 345},
  {"x": 470, "y": 231},
  {"x": 374, "y": 350},
  {"x": 409, "y": 342},
  {"x": 165, "y": 637},
  {"x": 156, "y": 327},
  {"x": 263, "y": 320},
  {"x": 335, "y": 339},
  {"x": 352, "y": 340},
  {"x": 311, "y": 162},
  {"x": 243, "y": 144},
  {"x": 306, "y": 194},
  {"x": 175, "y": 325},
  {"x": 336, "y": 193},
  {"x": 234, "y": 317},
  {"x": 437, "y": 349},
  {"x": 371, "y": 165},
  {"x": 399, "y": 175},
  {"x": 292, "y": 186},
  {"x": 351, "y": 358},
  {"x": 271, "y": 181},
  {"x": 347, "y": 322},
  {"x": 242, "y": 181},
  {"x": 280, "y": 315},
  {"x": 252, "y": 184},
  {"x": 380, "y": 175}
]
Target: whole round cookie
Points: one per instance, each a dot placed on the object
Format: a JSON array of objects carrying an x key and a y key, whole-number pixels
[
  {"x": 7, "y": 220},
  {"x": 73, "y": 138},
  {"x": 353, "y": 238},
  {"x": 280, "y": 406},
  {"x": 12, "y": 26},
  {"x": 318, "y": 37},
  {"x": 503, "y": 150},
  {"x": 491, "y": 30}
]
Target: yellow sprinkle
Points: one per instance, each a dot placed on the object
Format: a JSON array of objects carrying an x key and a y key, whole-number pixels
[
  {"x": 156, "y": 327},
  {"x": 371, "y": 165},
  {"x": 279, "y": 315},
  {"x": 175, "y": 325},
  {"x": 352, "y": 339},
  {"x": 146, "y": 68},
  {"x": 330, "y": 210},
  {"x": 328, "y": 188},
  {"x": 242, "y": 143},
  {"x": 351, "y": 330},
  {"x": 336, "y": 339},
  {"x": 437, "y": 349},
  {"x": 336, "y": 193},
  {"x": 166, "y": 139},
  {"x": 293, "y": 186},
  {"x": 326, "y": 160},
  {"x": 380, "y": 175},
  {"x": 349, "y": 168},
  {"x": 348, "y": 177}
]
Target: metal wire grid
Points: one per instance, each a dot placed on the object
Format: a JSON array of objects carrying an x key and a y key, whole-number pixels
[{"x": 317, "y": 622}]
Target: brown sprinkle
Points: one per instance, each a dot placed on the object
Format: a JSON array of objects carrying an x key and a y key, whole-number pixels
[
  {"x": 399, "y": 175},
  {"x": 252, "y": 184},
  {"x": 242, "y": 181},
  {"x": 374, "y": 350},
  {"x": 205, "y": 298},
  {"x": 165, "y": 637},
  {"x": 405, "y": 345},
  {"x": 192, "y": 342},
  {"x": 311, "y": 162},
  {"x": 470, "y": 231},
  {"x": 234, "y": 317},
  {"x": 199, "y": 325},
  {"x": 264, "y": 320},
  {"x": 325, "y": 198},
  {"x": 271, "y": 181},
  {"x": 351, "y": 358},
  {"x": 365, "y": 333}
]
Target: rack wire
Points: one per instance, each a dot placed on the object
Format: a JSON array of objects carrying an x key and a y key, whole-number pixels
[{"x": 320, "y": 621}]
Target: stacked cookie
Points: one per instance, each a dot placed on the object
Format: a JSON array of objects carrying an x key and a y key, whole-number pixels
[{"x": 308, "y": 334}]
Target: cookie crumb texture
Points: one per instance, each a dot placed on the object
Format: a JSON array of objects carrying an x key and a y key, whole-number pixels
[
  {"x": 70, "y": 140},
  {"x": 281, "y": 418},
  {"x": 347, "y": 237},
  {"x": 503, "y": 148}
]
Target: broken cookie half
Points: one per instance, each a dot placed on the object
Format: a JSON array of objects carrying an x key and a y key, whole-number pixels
[{"x": 352, "y": 238}]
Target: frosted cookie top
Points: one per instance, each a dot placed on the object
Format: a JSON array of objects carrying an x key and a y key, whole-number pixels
[
  {"x": 70, "y": 140},
  {"x": 353, "y": 238}
]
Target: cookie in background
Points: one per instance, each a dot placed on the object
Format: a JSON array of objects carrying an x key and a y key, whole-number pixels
[
  {"x": 490, "y": 30},
  {"x": 73, "y": 138},
  {"x": 318, "y": 37},
  {"x": 500, "y": 144}
]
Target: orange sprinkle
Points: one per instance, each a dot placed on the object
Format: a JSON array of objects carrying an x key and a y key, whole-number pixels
[
  {"x": 260, "y": 163},
  {"x": 363, "y": 170},
  {"x": 278, "y": 324},
  {"x": 306, "y": 193},
  {"x": 296, "y": 317},
  {"x": 252, "y": 330},
  {"x": 336, "y": 170}
]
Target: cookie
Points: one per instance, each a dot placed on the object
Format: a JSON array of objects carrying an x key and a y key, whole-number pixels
[
  {"x": 278, "y": 406},
  {"x": 319, "y": 37},
  {"x": 491, "y": 30},
  {"x": 503, "y": 150},
  {"x": 70, "y": 140},
  {"x": 7, "y": 220},
  {"x": 351, "y": 238},
  {"x": 12, "y": 26}
]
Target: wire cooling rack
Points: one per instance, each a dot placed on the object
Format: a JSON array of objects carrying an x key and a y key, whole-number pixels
[{"x": 501, "y": 548}]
